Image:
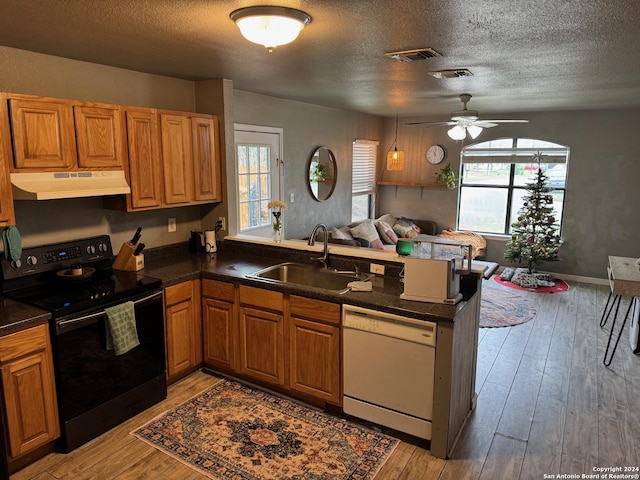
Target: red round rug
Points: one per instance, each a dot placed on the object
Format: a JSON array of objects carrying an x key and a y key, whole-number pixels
[{"x": 560, "y": 286}]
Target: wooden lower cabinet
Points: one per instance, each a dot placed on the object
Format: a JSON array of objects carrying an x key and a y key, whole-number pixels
[
  {"x": 183, "y": 324},
  {"x": 314, "y": 348},
  {"x": 218, "y": 322},
  {"x": 29, "y": 393},
  {"x": 262, "y": 335},
  {"x": 287, "y": 341}
]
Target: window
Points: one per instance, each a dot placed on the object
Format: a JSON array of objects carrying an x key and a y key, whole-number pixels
[
  {"x": 493, "y": 180},
  {"x": 363, "y": 178}
]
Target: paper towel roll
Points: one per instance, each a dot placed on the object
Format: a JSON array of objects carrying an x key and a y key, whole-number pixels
[{"x": 210, "y": 241}]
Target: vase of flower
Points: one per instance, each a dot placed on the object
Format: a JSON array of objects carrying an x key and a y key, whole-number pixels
[{"x": 276, "y": 207}]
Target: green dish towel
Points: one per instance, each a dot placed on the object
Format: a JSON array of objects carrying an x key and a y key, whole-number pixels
[
  {"x": 121, "y": 331},
  {"x": 12, "y": 243}
]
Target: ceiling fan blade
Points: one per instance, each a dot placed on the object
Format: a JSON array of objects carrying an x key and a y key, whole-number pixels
[
  {"x": 485, "y": 124},
  {"x": 505, "y": 121},
  {"x": 432, "y": 124}
]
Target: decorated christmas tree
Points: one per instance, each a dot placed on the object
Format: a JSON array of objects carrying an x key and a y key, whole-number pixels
[{"x": 535, "y": 237}]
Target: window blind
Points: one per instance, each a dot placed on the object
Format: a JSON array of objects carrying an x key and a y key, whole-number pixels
[{"x": 363, "y": 178}]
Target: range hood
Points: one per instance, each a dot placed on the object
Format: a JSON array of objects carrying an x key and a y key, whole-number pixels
[{"x": 54, "y": 185}]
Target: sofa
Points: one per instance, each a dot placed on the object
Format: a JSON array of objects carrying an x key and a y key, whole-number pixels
[{"x": 381, "y": 233}]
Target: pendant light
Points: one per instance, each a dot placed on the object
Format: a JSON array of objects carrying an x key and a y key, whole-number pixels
[
  {"x": 395, "y": 157},
  {"x": 270, "y": 26}
]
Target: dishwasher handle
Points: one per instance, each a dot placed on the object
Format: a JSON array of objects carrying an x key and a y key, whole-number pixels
[{"x": 389, "y": 325}]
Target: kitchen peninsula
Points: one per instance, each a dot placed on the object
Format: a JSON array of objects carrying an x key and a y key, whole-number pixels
[{"x": 457, "y": 325}]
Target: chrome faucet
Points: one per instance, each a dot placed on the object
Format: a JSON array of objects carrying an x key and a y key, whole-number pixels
[{"x": 312, "y": 239}]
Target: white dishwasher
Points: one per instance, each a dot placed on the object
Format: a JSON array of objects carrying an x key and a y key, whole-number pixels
[{"x": 388, "y": 367}]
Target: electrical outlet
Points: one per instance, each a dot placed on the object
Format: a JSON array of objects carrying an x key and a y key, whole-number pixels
[
  {"x": 377, "y": 269},
  {"x": 171, "y": 227},
  {"x": 223, "y": 222}
]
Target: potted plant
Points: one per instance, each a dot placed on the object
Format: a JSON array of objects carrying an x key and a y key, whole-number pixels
[
  {"x": 446, "y": 176},
  {"x": 318, "y": 173}
]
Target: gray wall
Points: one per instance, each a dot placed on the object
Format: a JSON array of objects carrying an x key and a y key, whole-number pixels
[
  {"x": 305, "y": 128},
  {"x": 600, "y": 216}
]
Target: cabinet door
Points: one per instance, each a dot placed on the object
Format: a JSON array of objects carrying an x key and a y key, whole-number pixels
[
  {"x": 261, "y": 345},
  {"x": 7, "y": 212},
  {"x": 100, "y": 136},
  {"x": 43, "y": 134},
  {"x": 219, "y": 323},
  {"x": 314, "y": 346},
  {"x": 29, "y": 390},
  {"x": 145, "y": 166},
  {"x": 206, "y": 163},
  {"x": 177, "y": 159},
  {"x": 184, "y": 328},
  {"x": 315, "y": 359}
]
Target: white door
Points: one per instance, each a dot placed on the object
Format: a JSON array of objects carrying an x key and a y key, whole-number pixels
[{"x": 259, "y": 177}]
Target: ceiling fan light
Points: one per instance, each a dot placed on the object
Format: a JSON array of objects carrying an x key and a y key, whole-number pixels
[
  {"x": 457, "y": 133},
  {"x": 270, "y": 26},
  {"x": 474, "y": 131},
  {"x": 395, "y": 160}
]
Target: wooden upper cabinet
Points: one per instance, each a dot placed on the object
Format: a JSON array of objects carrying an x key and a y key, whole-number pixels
[
  {"x": 145, "y": 167},
  {"x": 7, "y": 212},
  {"x": 100, "y": 136},
  {"x": 206, "y": 163},
  {"x": 43, "y": 133},
  {"x": 177, "y": 158}
]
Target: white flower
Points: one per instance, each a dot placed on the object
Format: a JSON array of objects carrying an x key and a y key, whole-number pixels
[{"x": 276, "y": 205}]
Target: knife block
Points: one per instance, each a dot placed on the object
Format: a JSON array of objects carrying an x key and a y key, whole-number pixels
[{"x": 126, "y": 260}]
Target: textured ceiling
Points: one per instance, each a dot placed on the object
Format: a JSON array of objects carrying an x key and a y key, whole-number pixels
[{"x": 524, "y": 55}]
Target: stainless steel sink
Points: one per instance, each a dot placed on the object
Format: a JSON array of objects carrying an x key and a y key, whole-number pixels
[{"x": 309, "y": 276}]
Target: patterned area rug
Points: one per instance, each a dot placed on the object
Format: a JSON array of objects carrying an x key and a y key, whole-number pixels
[
  {"x": 499, "y": 308},
  {"x": 232, "y": 431}
]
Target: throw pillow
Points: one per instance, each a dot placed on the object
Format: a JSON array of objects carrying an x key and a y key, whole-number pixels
[
  {"x": 406, "y": 228},
  {"x": 367, "y": 231},
  {"x": 386, "y": 232},
  {"x": 341, "y": 233}
]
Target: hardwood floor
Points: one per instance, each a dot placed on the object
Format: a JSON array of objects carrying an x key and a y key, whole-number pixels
[{"x": 546, "y": 405}]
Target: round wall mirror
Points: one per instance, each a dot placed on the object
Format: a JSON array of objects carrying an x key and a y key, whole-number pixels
[{"x": 322, "y": 173}]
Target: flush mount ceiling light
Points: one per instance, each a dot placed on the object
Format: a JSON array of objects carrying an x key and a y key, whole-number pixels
[{"x": 270, "y": 26}]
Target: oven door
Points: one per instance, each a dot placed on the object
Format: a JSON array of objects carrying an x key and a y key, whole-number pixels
[{"x": 87, "y": 374}]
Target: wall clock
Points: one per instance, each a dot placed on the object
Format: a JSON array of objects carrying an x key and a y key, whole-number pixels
[{"x": 435, "y": 154}]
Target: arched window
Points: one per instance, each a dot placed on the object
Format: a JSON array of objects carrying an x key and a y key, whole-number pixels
[{"x": 493, "y": 178}]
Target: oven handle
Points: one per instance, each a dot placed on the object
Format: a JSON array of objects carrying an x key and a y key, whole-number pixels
[{"x": 71, "y": 321}]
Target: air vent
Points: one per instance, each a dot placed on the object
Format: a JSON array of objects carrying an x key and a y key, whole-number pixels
[
  {"x": 413, "y": 55},
  {"x": 457, "y": 73}
]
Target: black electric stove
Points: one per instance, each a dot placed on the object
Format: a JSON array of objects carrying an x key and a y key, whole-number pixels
[{"x": 96, "y": 388}]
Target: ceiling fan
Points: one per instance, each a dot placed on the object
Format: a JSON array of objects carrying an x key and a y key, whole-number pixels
[{"x": 466, "y": 120}]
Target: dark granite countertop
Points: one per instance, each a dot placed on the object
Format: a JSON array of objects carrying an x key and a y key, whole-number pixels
[
  {"x": 175, "y": 264},
  {"x": 16, "y": 316}
]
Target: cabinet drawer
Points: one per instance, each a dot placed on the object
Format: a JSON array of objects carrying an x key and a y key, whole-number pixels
[
  {"x": 218, "y": 290},
  {"x": 178, "y": 293},
  {"x": 315, "y": 309},
  {"x": 16, "y": 345},
  {"x": 261, "y": 298}
]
